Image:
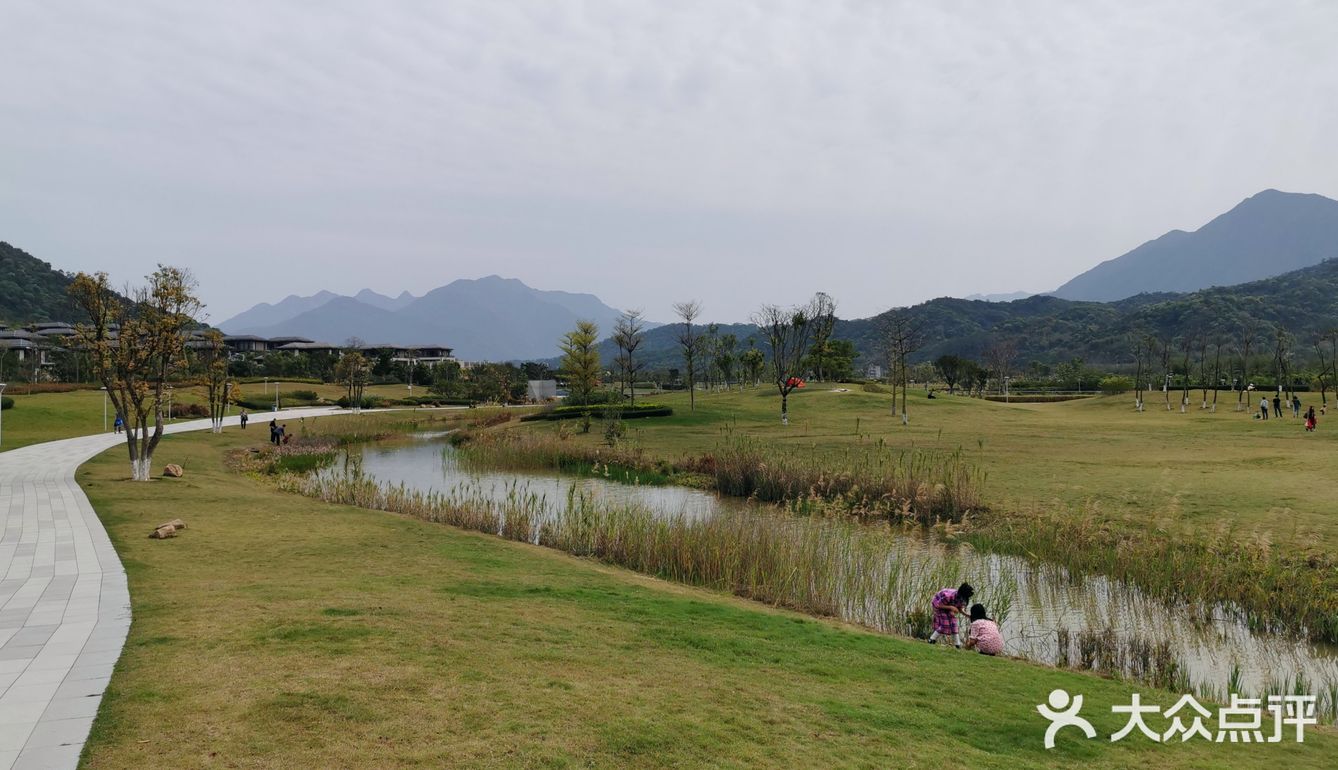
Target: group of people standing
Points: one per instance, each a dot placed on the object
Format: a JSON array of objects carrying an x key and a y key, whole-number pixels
[
  {"x": 278, "y": 434},
  {"x": 1311, "y": 420}
]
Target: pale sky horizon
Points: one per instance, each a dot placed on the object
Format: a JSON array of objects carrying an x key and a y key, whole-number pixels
[{"x": 736, "y": 152}]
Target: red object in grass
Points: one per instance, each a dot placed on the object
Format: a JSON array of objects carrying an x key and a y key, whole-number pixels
[{"x": 794, "y": 382}]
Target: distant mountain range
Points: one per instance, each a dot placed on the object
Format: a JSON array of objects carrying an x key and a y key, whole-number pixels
[
  {"x": 483, "y": 319},
  {"x": 1265, "y": 235}
]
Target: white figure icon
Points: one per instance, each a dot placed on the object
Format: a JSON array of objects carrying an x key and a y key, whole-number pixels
[{"x": 1062, "y": 714}]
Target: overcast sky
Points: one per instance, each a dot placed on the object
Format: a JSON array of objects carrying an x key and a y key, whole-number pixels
[{"x": 649, "y": 151}]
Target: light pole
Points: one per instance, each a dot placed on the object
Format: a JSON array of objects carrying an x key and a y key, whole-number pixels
[
  {"x": 104, "y": 408},
  {"x": 2, "y": 414},
  {"x": 1006, "y": 401},
  {"x": 169, "y": 403}
]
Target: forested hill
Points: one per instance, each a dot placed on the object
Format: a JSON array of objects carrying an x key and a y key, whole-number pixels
[
  {"x": 31, "y": 290},
  {"x": 1049, "y": 329}
]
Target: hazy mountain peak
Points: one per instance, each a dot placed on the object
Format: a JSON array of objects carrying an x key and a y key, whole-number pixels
[{"x": 1269, "y": 233}]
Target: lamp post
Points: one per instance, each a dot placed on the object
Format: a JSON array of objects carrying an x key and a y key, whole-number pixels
[
  {"x": 104, "y": 408},
  {"x": 276, "y": 396},
  {"x": 1006, "y": 401},
  {"x": 2, "y": 415},
  {"x": 169, "y": 403}
]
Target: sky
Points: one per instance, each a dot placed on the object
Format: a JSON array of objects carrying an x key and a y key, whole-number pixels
[{"x": 730, "y": 151}]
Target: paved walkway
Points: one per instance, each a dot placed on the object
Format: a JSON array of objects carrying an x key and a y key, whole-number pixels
[{"x": 64, "y": 607}]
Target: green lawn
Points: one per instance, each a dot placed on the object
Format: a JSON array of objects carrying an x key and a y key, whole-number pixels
[
  {"x": 1099, "y": 454},
  {"x": 49, "y": 416},
  {"x": 280, "y": 631}
]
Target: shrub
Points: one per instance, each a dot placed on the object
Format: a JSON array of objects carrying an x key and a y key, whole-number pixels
[
  {"x": 298, "y": 395},
  {"x": 6, "y": 402},
  {"x": 1115, "y": 384},
  {"x": 190, "y": 410},
  {"x": 625, "y": 413},
  {"x": 368, "y": 402}
]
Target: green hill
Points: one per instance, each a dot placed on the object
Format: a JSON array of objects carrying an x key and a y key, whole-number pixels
[
  {"x": 1049, "y": 329},
  {"x": 31, "y": 290}
]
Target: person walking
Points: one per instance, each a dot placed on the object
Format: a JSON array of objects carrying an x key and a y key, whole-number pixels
[
  {"x": 1296, "y": 405},
  {"x": 245, "y": 417},
  {"x": 1310, "y": 422},
  {"x": 1263, "y": 408},
  {"x": 1277, "y": 406},
  {"x": 118, "y": 425},
  {"x": 274, "y": 431}
]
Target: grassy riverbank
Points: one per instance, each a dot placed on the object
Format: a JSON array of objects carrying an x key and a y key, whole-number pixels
[
  {"x": 1178, "y": 504},
  {"x": 282, "y": 631}
]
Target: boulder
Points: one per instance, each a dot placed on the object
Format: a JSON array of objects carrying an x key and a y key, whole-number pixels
[{"x": 173, "y": 470}]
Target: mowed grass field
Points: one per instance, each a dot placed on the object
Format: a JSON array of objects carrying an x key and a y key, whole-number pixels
[
  {"x": 278, "y": 631},
  {"x": 1095, "y": 455}
]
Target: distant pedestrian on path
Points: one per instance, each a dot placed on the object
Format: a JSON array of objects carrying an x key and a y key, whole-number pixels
[
  {"x": 118, "y": 425},
  {"x": 1277, "y": 406},
  {"x": 1263, "y": 408},
  {"x": 1296, "y": 405},
  {"x": 245, "y": 417}
]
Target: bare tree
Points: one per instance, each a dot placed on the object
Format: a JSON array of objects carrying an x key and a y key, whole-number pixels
[
  {"x": 137, "y": 348},
  {"x": 1249, "y": 334},
  {"x": 824, "y": 321},
  {"x": 1282, "y": 354},
  {"x": 1144, "y": 347},
  {"x": 1166, "y": 344},
  {"x": 1328, "y": 363},
  {"x": 689, "y": 342},
  {"x": 1219, "y": 342},
  {"x": 903, "y": 335},
  {"x": 786, "y": 330},
  {"x": 1188, "y": 343},
  {"x": 629, "y": 331},
  {"x": 999, "y": 358}
]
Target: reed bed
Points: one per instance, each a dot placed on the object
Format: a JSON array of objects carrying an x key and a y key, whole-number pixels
[
  {"x": 823, "y": 566},
  {"x": 374, "y": 426},
  {"x": 920, "y": 485},
  {"x": 1271, "y": 588}
]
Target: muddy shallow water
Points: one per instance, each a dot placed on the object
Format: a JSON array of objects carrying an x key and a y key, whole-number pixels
[{"x": 1040, "y": 601}]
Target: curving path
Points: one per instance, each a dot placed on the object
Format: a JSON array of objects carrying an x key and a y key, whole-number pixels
[{"x": 64, "y": 607}]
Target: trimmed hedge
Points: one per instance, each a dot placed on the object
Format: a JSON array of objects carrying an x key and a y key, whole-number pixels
[
  {"x": 6, "y": 402},
  {"x": 368, "y": 402},
  {"x": 596, "y": 412}
]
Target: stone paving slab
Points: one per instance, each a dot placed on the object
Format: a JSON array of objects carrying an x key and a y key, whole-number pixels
[{"x": 64, "y": 606}]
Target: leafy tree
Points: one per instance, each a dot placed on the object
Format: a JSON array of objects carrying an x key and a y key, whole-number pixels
[
  {"x": 952, "y": 369},
  {"x": 353, "y": 372},
  {"x": 214, "y": 361},
  {"x": 137, "y": 349},
  {"x": 723, "y": 357},
  {"x": 580, "y": 360},
  {"x": 753, "y": 361}
]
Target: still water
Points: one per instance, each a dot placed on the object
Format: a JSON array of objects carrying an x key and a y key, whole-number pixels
[{"x": 1044, "y": 601}]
